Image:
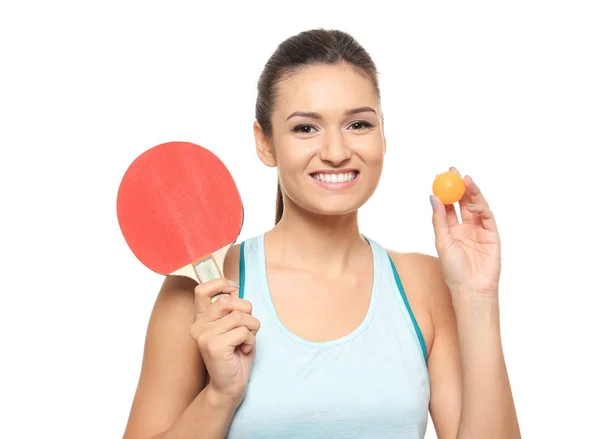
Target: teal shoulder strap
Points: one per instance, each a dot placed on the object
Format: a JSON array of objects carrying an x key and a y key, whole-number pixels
[{"x": 242, "y": 270}]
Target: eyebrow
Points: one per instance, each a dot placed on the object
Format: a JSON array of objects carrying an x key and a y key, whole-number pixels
[{"x": 319, "y": 116}]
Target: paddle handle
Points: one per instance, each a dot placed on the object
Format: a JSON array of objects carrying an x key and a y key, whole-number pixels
[
  {"x": 207, "y": 269},
  {"x": 211, "y": 267}
]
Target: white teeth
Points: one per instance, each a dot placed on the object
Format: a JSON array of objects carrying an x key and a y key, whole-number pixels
[{"x": 335, "y": 178}]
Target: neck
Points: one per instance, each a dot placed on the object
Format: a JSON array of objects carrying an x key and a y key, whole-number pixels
[{"x": 307, "y": 240}]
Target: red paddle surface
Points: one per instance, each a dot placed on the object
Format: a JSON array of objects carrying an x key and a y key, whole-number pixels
[{"x": 177, "y": 203}]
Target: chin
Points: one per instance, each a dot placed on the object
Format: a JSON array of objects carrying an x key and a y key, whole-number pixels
[
  {"x": 334, "y": 202},
  {"x": 336, "y": 207}
]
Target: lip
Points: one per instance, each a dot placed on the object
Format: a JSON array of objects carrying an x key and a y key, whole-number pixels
[{"x": 335, "y": 186}]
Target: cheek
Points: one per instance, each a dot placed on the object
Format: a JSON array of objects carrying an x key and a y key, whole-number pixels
[
  {"x": 371, "y": 153},
  {"x": 294, "y": 155}
]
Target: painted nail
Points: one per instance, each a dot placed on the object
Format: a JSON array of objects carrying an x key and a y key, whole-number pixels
[{"x": 432, "y": 201}]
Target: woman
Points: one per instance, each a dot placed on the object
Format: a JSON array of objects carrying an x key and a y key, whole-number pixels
[{"x": 323, "y": 333}]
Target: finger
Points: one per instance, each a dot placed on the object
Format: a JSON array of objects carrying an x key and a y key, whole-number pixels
[
  {"x": 466, "y": 216},
  {"x": 248, "y": 344},
  {"x": 204, "y": 291},
  {"x": 485, "y": 215},
  {"x": 473, "y": 196},
  {"x": 225, "y": 306},
  {"x": 451, "y": 216},
  {"x": 235, "y": 319},
  {"x": 214, "y": 298},
  {"x": 235, "y": 337},
  {"x": 234, "y": 293},
  {"x": 440, "y": 221},
  {"x": 473, "y": 193}
]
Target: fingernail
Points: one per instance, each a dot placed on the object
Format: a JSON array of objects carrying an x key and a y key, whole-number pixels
[
  {"x": 214, "y": 298},
  {"x": 234, "y": 284},
  {"x": 432, "y": 201}
]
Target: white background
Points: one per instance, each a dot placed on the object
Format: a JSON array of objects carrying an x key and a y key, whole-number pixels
[{"x": 506, "y": 91}]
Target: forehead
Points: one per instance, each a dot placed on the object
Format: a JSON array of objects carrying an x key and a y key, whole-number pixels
[{"x": 325, "y": 88}]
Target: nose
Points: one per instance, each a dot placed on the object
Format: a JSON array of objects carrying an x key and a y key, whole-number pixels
[{"x": 334, "y": 149}]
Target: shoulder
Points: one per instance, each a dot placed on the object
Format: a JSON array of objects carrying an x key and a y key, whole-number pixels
[
  {"x": 231, "y": 266},
  {"x": 178, "y": 291},
  {"x": 425, "y": 289},
  {"x": 424, "y": 267}
]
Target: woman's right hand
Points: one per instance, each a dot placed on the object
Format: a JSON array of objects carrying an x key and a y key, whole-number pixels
[{"x": 226, "y": 335}]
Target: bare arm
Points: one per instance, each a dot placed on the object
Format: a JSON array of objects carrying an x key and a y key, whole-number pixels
[
  {"x": 487, "y": 408},
  {"x": 470, "y": 390},
  {"x": 172, "y": 373},
  {"x": 170, "y": 401},
  {"x": 208, "y": 417}
]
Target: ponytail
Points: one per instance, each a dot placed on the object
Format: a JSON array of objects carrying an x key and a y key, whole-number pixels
[{"x": 278, "y": 204}]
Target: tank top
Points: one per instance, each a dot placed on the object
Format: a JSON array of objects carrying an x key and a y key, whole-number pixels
[{"x": 370, "y": 383}]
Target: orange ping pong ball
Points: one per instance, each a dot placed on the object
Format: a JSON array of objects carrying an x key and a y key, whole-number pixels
[{"x": 448, "y": 187}]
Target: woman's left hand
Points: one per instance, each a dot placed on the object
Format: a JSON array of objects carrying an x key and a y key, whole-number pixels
[{"x": 469, "y": 252}]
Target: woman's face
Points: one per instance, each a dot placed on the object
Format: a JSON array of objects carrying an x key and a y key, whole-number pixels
[{"x": 328, "y": 141}]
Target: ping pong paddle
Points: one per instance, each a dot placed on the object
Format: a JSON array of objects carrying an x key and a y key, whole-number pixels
[{"x": 180, "y": 211}]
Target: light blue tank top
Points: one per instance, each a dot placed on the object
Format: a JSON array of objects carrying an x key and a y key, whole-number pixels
[{"x": 371, "y": 383}]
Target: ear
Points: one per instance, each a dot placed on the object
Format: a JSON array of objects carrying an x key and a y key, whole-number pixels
[{"x": 264, "y": 148}]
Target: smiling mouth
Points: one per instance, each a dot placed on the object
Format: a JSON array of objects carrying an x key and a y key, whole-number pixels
[{"x": 341, "y": 177}]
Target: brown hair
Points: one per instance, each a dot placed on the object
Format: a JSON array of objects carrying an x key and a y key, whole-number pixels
[{"x": 317, "y": 46}]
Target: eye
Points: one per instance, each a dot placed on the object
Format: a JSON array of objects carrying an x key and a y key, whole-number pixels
[
  {"x": 304, "y": 129},
  {"x": 361, "y": 124}
]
